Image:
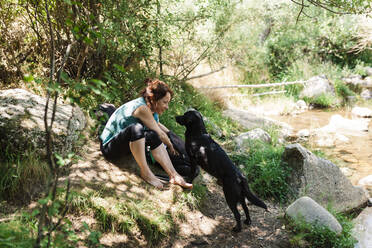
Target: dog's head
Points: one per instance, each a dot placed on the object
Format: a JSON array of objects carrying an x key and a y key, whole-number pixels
[{"x": 192, "y": 119}]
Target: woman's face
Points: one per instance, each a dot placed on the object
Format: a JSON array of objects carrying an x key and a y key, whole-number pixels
[{"x": 162, "y": 104}]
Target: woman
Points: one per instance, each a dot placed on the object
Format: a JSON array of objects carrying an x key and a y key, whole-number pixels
[{"x": 135, "y": 125}]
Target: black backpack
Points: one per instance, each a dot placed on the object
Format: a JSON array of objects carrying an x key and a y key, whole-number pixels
[{"x": 181, "y": 162}]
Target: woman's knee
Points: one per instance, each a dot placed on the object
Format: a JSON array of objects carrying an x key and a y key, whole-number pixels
[
  {"x": 136, "y": 132},
  {"x": 152, "y": 139}
]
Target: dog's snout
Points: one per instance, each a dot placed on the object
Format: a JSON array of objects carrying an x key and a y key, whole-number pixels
[{"x": 180, "y": 119}]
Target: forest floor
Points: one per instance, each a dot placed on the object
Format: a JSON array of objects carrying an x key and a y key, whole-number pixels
[{"x": 209, "y": 226}]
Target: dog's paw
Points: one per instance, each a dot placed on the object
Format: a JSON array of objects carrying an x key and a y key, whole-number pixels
[
  {"x": 247, "y": 222},
  {"x": 237, "y": 229}
]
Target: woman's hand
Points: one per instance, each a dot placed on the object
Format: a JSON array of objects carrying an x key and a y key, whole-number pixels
[{"x": 173, "y": 151}]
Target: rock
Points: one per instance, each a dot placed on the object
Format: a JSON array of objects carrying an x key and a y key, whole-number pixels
[
  {"x": 251, "y": 121},
  {"x": 22, "y": 123},
  {"x": 356, "y": 82},
  {"x": 303, "y": 133},
  {"x": 362, "y": 230},
  {"x": 324, "y": 140},
  {"x": 255, "y": 134},
  {"x": 366, "y": 94},
  {"x": 308, "y": 210},
  {"x": 321, "y": 180},
  {"x": 317, "y": 86},
  {"x": 347, "y": 171},
  {"x": 362, "y": 112},
  {"x": 366, "y": 181},
  {"x": 341, "y": 125},
  {"x": 301, "y": 105},
  {"x": 369, "y": 71}
]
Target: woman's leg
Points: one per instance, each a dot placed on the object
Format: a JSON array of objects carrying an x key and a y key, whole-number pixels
[
  {"x": 161, "y": 156},
  {"x": 138, "y": 150},
  {"x": 131, "y": 140}
]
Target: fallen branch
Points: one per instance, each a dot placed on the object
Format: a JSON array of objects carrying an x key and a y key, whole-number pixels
[
  {"x": 269, "y": 93},
  {"x": 251, "y": 85},
  {"x": 258, "y": 94}
]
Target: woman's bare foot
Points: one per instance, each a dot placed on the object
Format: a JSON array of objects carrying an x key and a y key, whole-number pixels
[
  {"x": 177, "y": 179},
  {"x": 151, "y": 179}
]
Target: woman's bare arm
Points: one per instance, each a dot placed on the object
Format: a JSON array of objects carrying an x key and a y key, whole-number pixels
[{"x": 145, "y": 115}]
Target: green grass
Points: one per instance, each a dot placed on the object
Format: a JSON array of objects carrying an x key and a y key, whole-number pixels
[
  {"x": 266, "y": 173},
  {"x": 324, "y": 100},
  {"x": 308, "y": 235},
  {"x": 15, "y": 234},
  {"x": 19, "y": 173},
  {"x": 194, "y": 199},
  {"x": 127, "y": 216}
]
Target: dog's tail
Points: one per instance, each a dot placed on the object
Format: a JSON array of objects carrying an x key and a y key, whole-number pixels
[{"x": 250, "y": 196}]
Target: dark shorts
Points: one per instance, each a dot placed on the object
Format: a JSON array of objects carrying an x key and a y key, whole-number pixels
[{"x": 119, "y": 145}]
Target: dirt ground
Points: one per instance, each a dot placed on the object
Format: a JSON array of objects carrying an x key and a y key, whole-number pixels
[{"x": 209, "y": 227}]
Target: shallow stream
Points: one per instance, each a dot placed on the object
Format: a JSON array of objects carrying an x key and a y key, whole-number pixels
[{"x": 355, "y": 154}]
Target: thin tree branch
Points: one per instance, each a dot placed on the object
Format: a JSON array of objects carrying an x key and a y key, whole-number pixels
[
  {"x": 206, "y": 74},
  {"x": 302, "y": 8}
]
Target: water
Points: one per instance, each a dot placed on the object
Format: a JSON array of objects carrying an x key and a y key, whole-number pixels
[{"x": 355, "y": 155}]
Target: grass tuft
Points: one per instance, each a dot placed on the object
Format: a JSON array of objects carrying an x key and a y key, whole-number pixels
[
  {"x": 264, "y": 169},
  {"x": 19, "y": 173}
]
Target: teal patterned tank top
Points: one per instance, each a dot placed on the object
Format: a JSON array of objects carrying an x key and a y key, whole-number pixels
[{"x": 122, "y": 118}]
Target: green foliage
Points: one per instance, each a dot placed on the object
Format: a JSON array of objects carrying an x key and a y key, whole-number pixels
[
  {"x": 324, "y": 100},
  {"x": 21, "y": 232},
  {"x": 343, "y": 91},
  {"x": 279, "y": 47},
  {"x": 187, "y": 97},
  {"x": 266, "y": 173},
  {"x": 15, "y": 234},
  {"x": 309, "y": 235},
  {"x": 19, "y": 173},
  {"x": 294, "y": 90}
]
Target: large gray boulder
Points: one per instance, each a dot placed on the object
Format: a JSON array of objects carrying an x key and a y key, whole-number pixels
[
  {"x": 317, "y": 86},
  {"x": 321, "y": 180},
  {"x": 306, "y": 209},
  {"x": 22, "y": 123}
]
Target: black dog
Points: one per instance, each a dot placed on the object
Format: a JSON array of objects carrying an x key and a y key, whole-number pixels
[{"x": 206, "y": 153}]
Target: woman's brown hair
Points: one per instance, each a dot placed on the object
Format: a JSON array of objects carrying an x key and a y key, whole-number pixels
[{"x": 155, "y": 90}]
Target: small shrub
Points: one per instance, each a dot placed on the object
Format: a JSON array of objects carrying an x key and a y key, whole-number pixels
[{"x": 343, "y": 91}]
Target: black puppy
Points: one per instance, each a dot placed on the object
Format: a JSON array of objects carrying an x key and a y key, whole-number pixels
[{"x": 206, "y": 153}]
